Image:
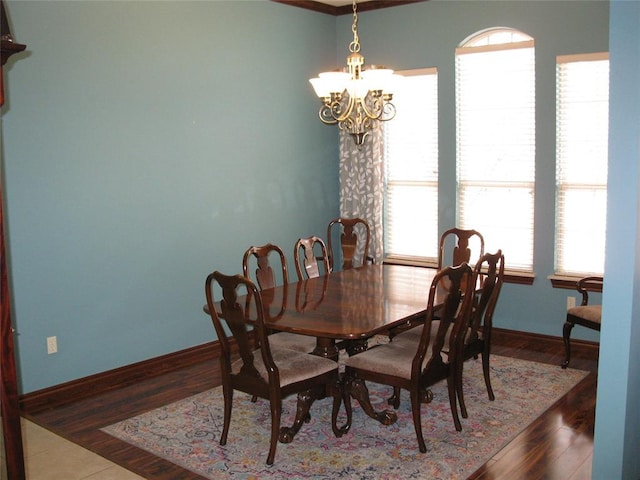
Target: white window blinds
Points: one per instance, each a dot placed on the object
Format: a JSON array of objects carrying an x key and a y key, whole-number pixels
[
  {"x": 582, "y": 115},
  {"x": 495, "y": 108},
  {"x": 411, "y": 169}
]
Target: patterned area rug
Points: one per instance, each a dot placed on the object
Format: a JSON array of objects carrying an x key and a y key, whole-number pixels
[{"x": 187, "y": 432}]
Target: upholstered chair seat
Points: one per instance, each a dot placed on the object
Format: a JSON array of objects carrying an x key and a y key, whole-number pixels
[
  {"x": 293, "y": 366},
  {"x": 292, "y": 341},
  {"x": 592, "y": 313}
]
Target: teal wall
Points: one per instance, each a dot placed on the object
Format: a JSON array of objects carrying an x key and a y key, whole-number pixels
[
  {"x": 146, "y": 144},
  {"x": 426, "y": 35},
  {"x": 617, "y": 433},
  {"x": 149, "y": 142}
]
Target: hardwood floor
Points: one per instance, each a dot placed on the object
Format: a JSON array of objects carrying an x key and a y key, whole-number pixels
[{"x": 558, "y": 445}]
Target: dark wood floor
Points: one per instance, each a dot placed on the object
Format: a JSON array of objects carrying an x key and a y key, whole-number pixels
[{"x": 558, "y": 445}]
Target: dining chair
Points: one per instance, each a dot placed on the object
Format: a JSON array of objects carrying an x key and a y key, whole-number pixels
[
  {"x": 475, "y": 338},
  {"x": 585, "y": 314},
  {"x": 311, "y": 253},
  {"x": 261, "y": 369},
  {"x": 265, "y": 278},
  {"x": 355, "y": 236},
  {"x": 415, "y": 366},
  {"x": 454, "y": 248},
  {"x": 455, "y": 244}
]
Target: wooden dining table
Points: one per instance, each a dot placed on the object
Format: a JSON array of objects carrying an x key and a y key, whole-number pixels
[
  {"x": 346, "y": 309},
  {"x": 349, "y": 306}
]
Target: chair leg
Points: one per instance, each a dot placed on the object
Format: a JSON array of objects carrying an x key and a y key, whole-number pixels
[
  {"x": 486, "y": 370},
  {"x": 276, "y": 411},
  {"x": 457, "y": 372},
  {"x": 417, "y": 421},
  {"x": 227, "y": 393},
  {"x": 566, "y": 334},
  {"x": 394, "y": 400},
  {"x": 451, "y": 384}
]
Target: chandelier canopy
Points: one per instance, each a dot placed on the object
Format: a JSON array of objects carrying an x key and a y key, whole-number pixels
[{"x": 355, "y": 98}]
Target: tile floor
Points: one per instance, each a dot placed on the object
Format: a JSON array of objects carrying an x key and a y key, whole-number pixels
[{"x": 49, "y": 457}]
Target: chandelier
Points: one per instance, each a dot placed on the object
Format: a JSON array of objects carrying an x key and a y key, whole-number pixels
[{"x": 357, "y": 99}]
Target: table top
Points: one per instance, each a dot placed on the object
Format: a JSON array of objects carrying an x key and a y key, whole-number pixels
[{"x": 350, "y": 304}]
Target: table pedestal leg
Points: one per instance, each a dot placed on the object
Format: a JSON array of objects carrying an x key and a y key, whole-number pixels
[
  {"x": 358, "y": 390},
  {"x": 326, "y": 348},
  {"x": 305, "y": 400},
  {"x": 354, "y": 347}
]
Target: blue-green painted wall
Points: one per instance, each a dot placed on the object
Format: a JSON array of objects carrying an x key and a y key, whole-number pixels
[
  {"x": 151, "y": 142},
  {"x": 426, "y": 35},
  {"x": 617, "y": 432},
  {"x": 146, "y": 144}
]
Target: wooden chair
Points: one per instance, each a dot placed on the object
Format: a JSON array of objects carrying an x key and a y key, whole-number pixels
[
  {"x": 415, "y": 366},
  {"x": 456, "y": 241},
  {"x": 454, "y": 244},
  {"x": 261, "y": 370},
  {"x": 475, "y": 338},
  {"x": 306, "y": 253},
  {"x": 266, "y": 279},
  {"x": 589, "y": 316},
  {"x": 355, "y": 235}
]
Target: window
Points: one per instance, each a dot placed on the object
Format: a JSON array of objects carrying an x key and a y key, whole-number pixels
[
  {"x": 582, "y": 115},
  {"x": 411, "y": 169},
  {"x": 495, "y": 137}
]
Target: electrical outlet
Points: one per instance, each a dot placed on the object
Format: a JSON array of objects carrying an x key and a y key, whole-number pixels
[
  {"x": 571, "y": 302},
  {"x": 52, "y": 345}
]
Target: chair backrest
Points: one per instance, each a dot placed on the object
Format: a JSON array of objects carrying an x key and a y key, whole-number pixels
[
  {"x": 311, "y": 252},
  {"x": 455, "y": 282},
  {"x": 490, "y": 270},
  {"x": 354, "y": 239},
  {"x": 589, "y": 284},
  {"x": 244, "y": 321},
  {"x": 264, "y": 274},
  {"x": 459, "y": 241}
]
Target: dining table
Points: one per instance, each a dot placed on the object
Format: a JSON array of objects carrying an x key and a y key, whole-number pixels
[{"x": 347, "y": 308}]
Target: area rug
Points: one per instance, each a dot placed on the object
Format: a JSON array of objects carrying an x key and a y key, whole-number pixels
[{"x": 187, "y": 432}]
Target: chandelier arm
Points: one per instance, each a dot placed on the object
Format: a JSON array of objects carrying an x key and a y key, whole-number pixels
[
  {"x": 325, "y": 115},
  {"x": 377, "y": 108},
  {"x": 346, "y": 113}
]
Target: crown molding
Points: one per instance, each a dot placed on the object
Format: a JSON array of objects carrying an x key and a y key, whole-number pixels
[{"x": 345, "y": 9}]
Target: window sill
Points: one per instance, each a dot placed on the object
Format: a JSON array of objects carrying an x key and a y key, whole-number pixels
[
  {"x": 567, "y": 282},
  {"x": 513, "y": 276}
]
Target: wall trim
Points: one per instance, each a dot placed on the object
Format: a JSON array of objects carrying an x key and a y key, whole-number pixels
[
  {"x": 58, "y": 395},
  {"x": 82, "y": 388}
]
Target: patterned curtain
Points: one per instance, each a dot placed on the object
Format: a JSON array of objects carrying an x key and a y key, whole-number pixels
[{"x": 361, "y": 186}]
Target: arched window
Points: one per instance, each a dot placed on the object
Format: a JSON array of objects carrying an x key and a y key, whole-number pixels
[{"x": 495, "y": 141}]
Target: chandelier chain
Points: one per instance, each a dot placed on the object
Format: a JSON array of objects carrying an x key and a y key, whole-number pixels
[{"x": 355, "y": 45}]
